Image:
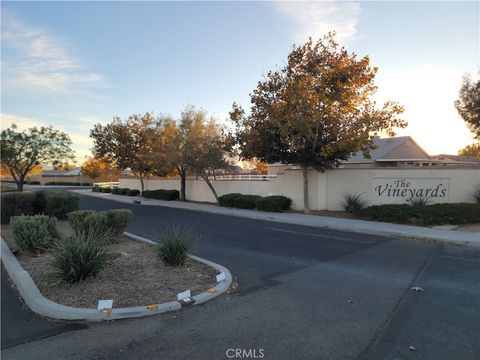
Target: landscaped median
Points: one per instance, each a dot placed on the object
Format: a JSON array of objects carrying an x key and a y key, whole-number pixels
[{"x": 62, "y": 269}]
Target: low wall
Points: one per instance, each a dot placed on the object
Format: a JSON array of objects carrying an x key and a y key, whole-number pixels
[{"x": 326, "y": 190}]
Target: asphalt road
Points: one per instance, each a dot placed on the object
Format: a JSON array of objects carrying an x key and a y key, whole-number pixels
[{"x": 303, "y": 293}]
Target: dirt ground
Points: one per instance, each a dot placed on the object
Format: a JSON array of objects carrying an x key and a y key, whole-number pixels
[{"x": 136, "y": 277}]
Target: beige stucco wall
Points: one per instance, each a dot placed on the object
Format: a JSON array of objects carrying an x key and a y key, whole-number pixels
[{"x": 326, "y": 190}]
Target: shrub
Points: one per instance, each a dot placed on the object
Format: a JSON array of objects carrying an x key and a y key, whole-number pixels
[
  {"x": 228, "y": 200},
  {"x": 174, "y": 244},
  {"x": 105, "y": 189},
  {"x": 115, "y": 191},
  {"x": 34, "y": 233},
  {"x": 59, "y": 203},
  {"x": 133, "y": 192},
  {"x": 89, "y": 223},
  {"x": 118, "y": 220},
  {"x": 96, "y": 189},
  {"x": 15, "y": 204},
  {"x": 239, "y": 201},
  {"x": 275, "y": 203},
  {"x": 122, "y": 191},
  {"x": 353, "y": 202},
  {"x": 79, "y": 257},
  {"x": 436, "y": 214},
  {"x": 476, "y": 194},
  {"x": 420, "y": 201},
  {"x": 161, "y": 194}
]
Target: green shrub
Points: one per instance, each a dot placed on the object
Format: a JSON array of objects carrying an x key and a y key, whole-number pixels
[
  {"x": 89, "y": 223},
  {"x": 228, "y": 200},
  {"x": 96, "y": 189},
  {"x": 239, "y": 201},
  {"x": 34, "y": 233},
  {"x": 15, "y": 204},
  {"x": 352, "y": 202},
  {"x": 63, "y": 183},
  {"x": 161, "y": 194},
  {"x": 476, "y": 194},
  {"x": 118, "y": 220},
  {"x": 174, "y": 244},
  {"x": 122, "y": 191},
  {"x": 420, "y": 201},
  {"x": 133, "y": 192},
  {"x": 115, "y": 191},
  {"x": 105, "y": 189},
  {"x": 59, "y": 203},
  {"x": 275, "y": 203},
  {"x": 436, "y": 214},
  {"x": 79, "y": 257}
]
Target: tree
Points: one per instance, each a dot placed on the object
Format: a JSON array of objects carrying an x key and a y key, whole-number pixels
[
  {"x": 468, "y": 104},
  {"x": 471, "y": 150},
  {"x": 315, "y": 111},
  {"x": 127, "y": 143},
  {"x": 23, "y": 151},
  {"x": 96, "y": 168}
]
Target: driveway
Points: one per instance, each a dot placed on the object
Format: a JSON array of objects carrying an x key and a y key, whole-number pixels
[{"x": 303, "y": 293}]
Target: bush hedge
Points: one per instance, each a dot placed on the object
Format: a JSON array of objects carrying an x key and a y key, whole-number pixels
[
  {"x": 115, "y": 191},
  {"x": 66, "y": 183},
  {"x": 34, "y": 233},
  {"x": 161, "y": 194},
  {"x": 15, "y": 204},
  {"x": 122, "y": 191},
  {"x": 59, "y": 203},
  {"x": 118, "y": 220},
  {"x": 435, "y": 214},
  {"x": 132, "y": 192},
  {"x": 274, "y": 203},
  {"x": 105, "y": 189},
  {"x": 174, "y": 244}
]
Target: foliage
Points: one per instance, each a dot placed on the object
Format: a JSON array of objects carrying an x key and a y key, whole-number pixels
[
  {"x": 468, "y": 104},
  {"x": 470, "y": 150},
  {"x": 123, "y": 191},
  {"x": 419, "y": 201},
  {"x": 274, "y": 203},
  {"x": 99, "y": 168},
  {"x": 132, "y": 192},
  {"x": 352, "y": 202},
  {"x": 89, "y": 223},
  {"x": 59, "y": 203},
  {"x": 105, "y": 189},
  {"x": 435, "y": 214},
  {"x": 115, "y": 191},
  {"x": 315, "y": 111},
  {"x": 80, "y": 257},
  {"x": 118, "y": 220},
  {"x": 476, "y": 194},
  {"x": 246, "y": 201},
  {"x": 228, "y": 200},
  {"x": 34, "y": 233},
  {"x": 128, "y": 144},
  {"x": 15, "y": 204},
  {"x": 174, "y": 244},
  {"x": 161, "y": 194},
  {"x": 23, "y": 151},
  {"x": 67, "y": 183}
]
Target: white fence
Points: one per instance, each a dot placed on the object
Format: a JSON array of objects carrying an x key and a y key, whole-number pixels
[
  {"x": 326, "y": 190},
  {"x": 243, "y": 177}
]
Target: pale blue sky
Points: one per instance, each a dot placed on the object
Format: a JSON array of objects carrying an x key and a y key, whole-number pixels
[{"x": 71, "y": 64}]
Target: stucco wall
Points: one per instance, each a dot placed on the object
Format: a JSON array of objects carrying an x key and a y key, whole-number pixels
[{"x": 326, "y": 190}]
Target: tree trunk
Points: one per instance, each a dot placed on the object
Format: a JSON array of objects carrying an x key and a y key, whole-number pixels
[
  {"x": 142, "y": 184},
  {"x": 306, "y": 204},
  {"x": 20, "y": 182},
  {"x": 183, "y": 183},
  {"x": 207, "y": 180}
]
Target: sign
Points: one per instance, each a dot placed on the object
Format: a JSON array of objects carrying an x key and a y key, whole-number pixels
[
  {"x": 220, "y": 277},
  {"x": 105, "y": 304},
  {"x": 183, "y": 295},
  {"x": 399, "y": 191}
]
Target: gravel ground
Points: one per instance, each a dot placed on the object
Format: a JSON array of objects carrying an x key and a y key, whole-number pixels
[{"x": 137, "y": 276}]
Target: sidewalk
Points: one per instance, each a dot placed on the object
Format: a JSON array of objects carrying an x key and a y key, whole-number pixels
[{"x": 359, "y": 226}]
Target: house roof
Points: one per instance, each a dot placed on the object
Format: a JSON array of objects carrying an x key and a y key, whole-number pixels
[
  {"x": 385, "y": 148},
  {"x": 74, "y": 172}
]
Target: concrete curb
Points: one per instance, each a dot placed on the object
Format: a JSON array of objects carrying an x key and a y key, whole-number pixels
[
  {"x": 41, "y": 305},
  {"x": 351, "y": 225}
]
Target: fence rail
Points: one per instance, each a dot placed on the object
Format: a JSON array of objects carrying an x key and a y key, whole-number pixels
[
  {"x": 111, "y": 184},
  {"x": 243, "y": 177}
]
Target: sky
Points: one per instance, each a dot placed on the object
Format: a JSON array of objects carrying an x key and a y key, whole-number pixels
[{"x": 74, "y": 64}]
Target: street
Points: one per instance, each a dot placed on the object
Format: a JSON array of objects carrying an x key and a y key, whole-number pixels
[{"x": 303, "y": 293}]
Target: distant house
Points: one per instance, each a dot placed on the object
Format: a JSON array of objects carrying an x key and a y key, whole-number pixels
[{"x": 393, "y": 151}]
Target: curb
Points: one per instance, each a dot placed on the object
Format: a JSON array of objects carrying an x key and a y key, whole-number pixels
[
  {"x": 41, "y": 305},
  {"x": 353, "y": 225}
]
